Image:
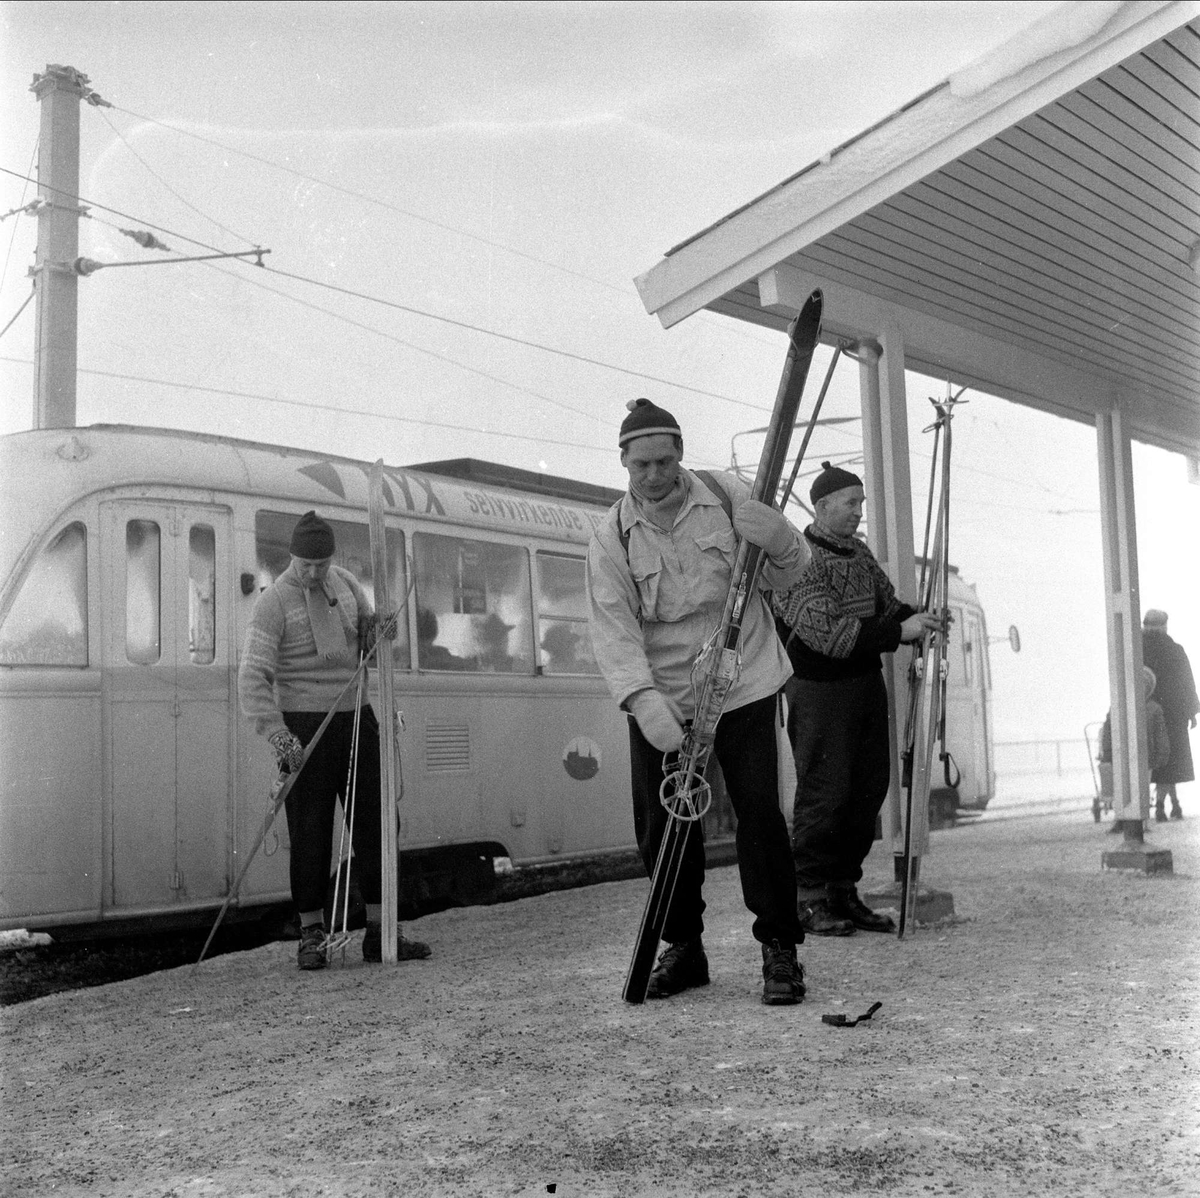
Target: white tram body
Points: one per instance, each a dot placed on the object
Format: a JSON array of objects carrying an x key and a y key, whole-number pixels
[
  {"x": 972, "y": 781},
  {"x": 130, "y": 785}
]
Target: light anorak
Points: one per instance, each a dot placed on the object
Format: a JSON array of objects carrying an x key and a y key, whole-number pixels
[{"x": 656, "y": 600}]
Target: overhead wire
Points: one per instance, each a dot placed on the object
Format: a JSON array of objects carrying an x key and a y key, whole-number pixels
[
  {"x": 151, "y": 171},
  {"x": 412, "y": 310},
  {"x": 300, "y": 403},
  {"x": 18, "y": 313},
  {"x": 369, "y": 199},
  {"x": 13, "y": 235},
  {"x": 402, "y": 341},
  {"x": 622, "y": 290}
]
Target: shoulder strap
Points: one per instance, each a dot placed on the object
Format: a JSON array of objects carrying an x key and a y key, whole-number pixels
[{"x": 709, "y": 479}]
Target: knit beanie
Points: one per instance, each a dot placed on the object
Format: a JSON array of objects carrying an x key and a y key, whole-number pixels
[
  {"x": 644, "y": 420},
  {"x": 832, "y": 478},
  {"x": 312, "y": 538},
  {"x": 1153, "y": 618}
]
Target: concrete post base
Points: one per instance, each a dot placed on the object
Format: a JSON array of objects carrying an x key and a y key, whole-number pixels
[{"x": 1133, "y": 853}]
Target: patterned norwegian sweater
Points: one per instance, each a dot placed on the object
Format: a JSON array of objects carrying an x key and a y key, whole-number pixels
[
  {"x": 843, "y": 611},
  {"x": 280, "y": 669}
]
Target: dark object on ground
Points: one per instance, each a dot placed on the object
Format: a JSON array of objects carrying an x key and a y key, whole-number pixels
[{"x": 840, "y": 1020}]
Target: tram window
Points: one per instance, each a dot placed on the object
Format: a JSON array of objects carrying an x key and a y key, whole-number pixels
[
  {"x": 202, "y": 597},
  {"x": 143, "y": 593},
  {"x": 478, "y": 594},
  {"x": 47, "y": 623},
  {"x": 563, "y": 615},
  {"x": 352, "y": 551}
]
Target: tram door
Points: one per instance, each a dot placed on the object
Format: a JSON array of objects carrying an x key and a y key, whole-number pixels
[{"x": 168, "y": 692}]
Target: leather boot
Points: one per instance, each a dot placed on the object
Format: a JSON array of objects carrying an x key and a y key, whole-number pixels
[{"x": 680, "y": 967}]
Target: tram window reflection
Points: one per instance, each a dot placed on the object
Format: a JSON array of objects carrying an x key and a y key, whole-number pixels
[
  {"x": 47, "y": 622},
  {"x": 143, "y": 592},
  {"x": 202, "y": 598},
  {"x": 563, "y": 615},
  {"x": 478, "y": 593},
  {"x": 273, "y": 534}
]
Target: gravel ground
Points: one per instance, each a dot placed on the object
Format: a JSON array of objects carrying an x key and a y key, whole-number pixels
[{"x": 1042, "y": 1042}]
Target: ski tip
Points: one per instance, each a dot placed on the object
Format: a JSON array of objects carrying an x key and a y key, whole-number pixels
[{"x": 806, "y": 326}]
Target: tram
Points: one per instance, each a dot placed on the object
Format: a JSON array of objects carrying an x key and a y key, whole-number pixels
[
  {"x": 130, "y": 558},
  {"x": 968, "y": 780}
]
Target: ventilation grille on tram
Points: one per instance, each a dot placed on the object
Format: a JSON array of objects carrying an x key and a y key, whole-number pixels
[{"x": 447, "y": 748}]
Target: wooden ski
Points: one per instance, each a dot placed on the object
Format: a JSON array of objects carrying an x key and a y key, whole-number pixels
[
  {"x": 685, "y": 793},
  {"x": 389, "y": 896}
]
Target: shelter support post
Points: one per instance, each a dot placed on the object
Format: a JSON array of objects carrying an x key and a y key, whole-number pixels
[
  {"x": 1127, "y": 703},
  {"x": 888, "y": 485}
]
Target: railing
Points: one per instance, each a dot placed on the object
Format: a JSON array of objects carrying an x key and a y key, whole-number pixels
[
  {"x": 1035, "y": 770},
  {"x": 1015, "y": 758}
]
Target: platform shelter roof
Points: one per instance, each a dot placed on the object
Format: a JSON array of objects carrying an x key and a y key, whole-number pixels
[{"x": 1031, "y": 225}]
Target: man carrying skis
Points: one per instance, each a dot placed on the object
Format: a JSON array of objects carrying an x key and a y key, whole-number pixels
[
  {"x": 836, "y": 621},
  {"x": 659, "y": 569},
  {"x": 301, "y": 649}
]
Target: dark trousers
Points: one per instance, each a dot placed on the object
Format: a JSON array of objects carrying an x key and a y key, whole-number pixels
[
  {"x": 839, "y": 733},
  {"x": 312, "y": 802},
  {"x": 745, "y": 748}
]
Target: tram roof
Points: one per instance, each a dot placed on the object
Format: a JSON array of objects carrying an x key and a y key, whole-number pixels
[
  {"x": 1029, "y": 225},
  {"x": 493, "y": 474},
  {"x": 43, "y": 471}
]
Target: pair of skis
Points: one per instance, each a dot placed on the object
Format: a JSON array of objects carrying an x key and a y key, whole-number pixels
[
  {"x": 684, "y": 792},
  {"x": 925, "y": 724},
  {"x": 388, "y": 774}
]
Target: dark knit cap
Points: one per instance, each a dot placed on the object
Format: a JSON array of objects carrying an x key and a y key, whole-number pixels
[
  {"x": 644, "y": 420},
  {"x": 312, "y": 538},
  {"x": 832, "y": 478}
]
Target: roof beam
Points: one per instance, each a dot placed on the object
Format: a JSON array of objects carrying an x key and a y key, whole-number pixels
[{"x": 943, "y": 350}]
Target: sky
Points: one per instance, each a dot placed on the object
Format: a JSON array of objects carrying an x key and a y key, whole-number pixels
[{"x": 456, "y": 198}]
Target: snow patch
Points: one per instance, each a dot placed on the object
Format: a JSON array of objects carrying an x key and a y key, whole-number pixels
[
  {"x": 19, "y": 938},
  {"x": 1060, "y": 30}
]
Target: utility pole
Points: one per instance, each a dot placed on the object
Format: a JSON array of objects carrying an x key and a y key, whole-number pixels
[{"x": 56, "y": 282}]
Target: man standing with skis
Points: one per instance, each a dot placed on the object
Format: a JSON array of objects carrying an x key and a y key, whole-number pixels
[
  {"x": 836, "y": 621},
  {"x": 659, "y": 569},
  {"x": 301, "y": 650}
]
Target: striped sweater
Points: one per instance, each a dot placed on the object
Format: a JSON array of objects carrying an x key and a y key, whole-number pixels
[
  {"x": 280, "y": 669},
  {"x": 842, "y": 614}
]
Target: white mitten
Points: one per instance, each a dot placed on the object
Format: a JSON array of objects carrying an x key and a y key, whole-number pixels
[
  {"x": 657, "y": 719},
  {"x": 763, "y": 526}
]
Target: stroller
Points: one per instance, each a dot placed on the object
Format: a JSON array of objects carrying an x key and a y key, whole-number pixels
[{"x": 1102, "y": 776}]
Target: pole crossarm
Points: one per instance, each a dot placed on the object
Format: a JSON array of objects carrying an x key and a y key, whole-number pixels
[{"x": 89, "y": 266}]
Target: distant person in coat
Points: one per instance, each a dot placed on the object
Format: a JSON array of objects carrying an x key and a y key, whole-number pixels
[{"x": 1176, "y": 695}]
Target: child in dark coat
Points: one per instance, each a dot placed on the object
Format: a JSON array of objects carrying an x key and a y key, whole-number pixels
[{"x": 1157, "y": 742}]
